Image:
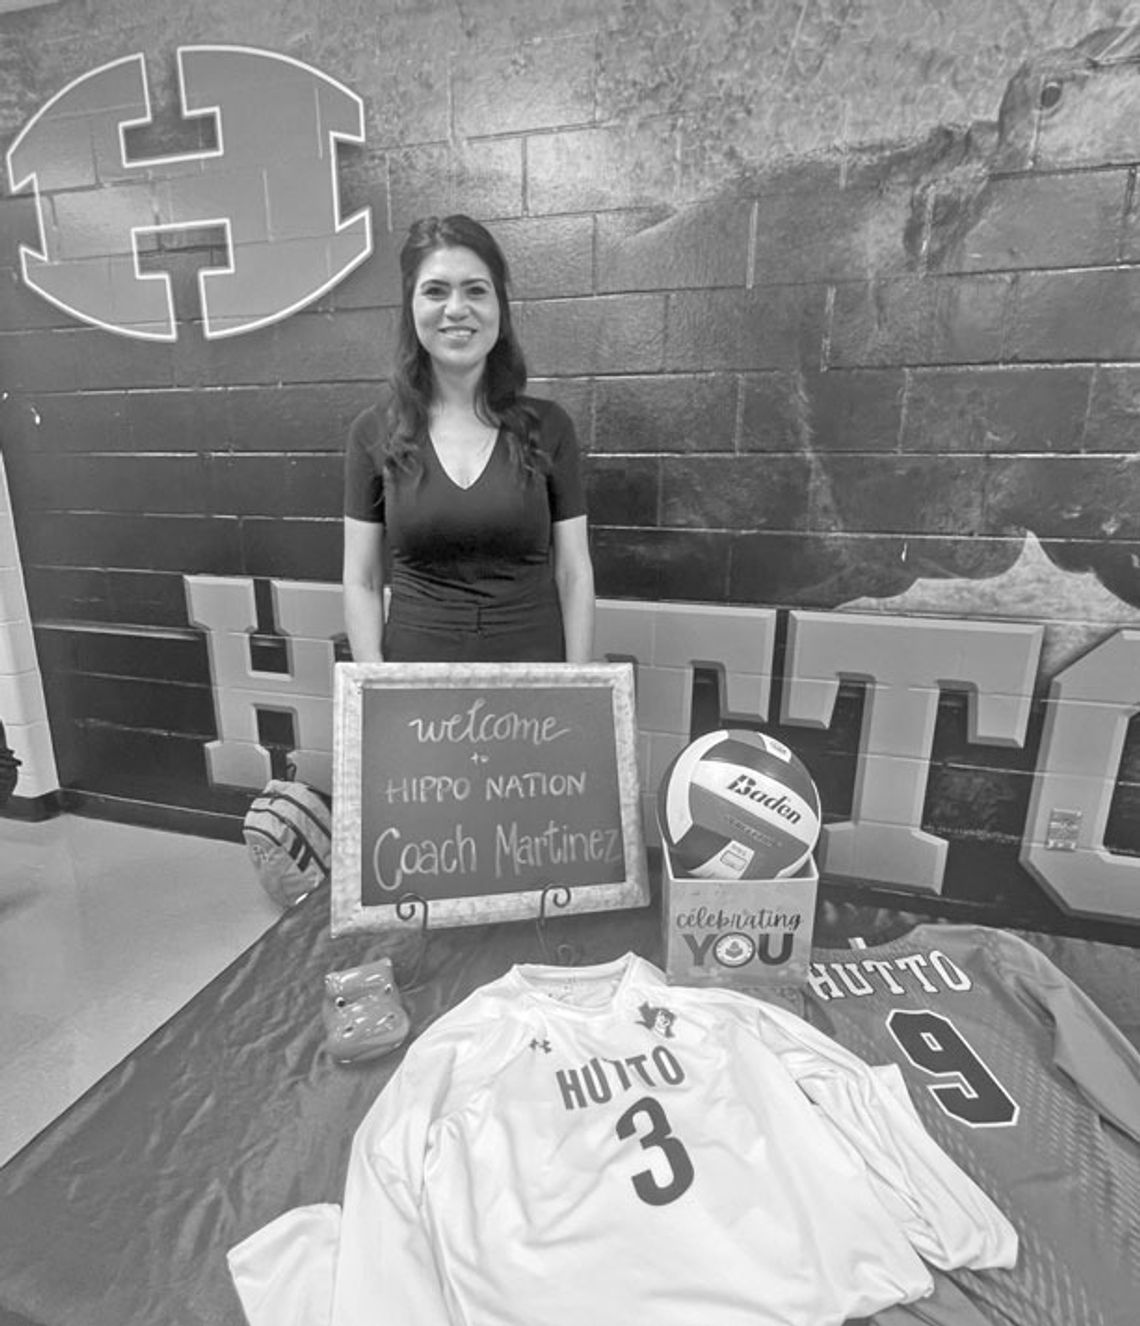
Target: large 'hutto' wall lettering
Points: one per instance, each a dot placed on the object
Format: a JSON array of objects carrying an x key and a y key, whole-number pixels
[
  {"x": 310, "y": 616},
  {"x": 1090, "y": 705},
  {"x": 269, "y": 181},
  {"x": 904, "y": 663}
]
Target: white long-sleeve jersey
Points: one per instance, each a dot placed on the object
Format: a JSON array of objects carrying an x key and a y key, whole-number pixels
[{"x": 590, "y": 1144}]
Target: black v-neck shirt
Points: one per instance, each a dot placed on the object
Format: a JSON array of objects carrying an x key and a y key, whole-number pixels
[{"x": 486, "y": 547}]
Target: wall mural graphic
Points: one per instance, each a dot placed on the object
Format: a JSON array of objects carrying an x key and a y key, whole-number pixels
[
  {"x": 858, "y": 386},
  {"x": 265, "y": 176},
  {"x": 1074, "y": 607},
  {"x": 936, "y": 345}
]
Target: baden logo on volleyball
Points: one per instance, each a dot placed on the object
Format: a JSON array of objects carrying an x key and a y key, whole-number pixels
[{"x": 738, "y": 804}]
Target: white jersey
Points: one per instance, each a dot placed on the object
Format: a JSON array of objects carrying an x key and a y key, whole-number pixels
[{"x": 592, "y": 1145}]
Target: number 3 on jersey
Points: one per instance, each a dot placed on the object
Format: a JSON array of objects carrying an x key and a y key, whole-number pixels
[
  {"x": 932, "y": 1042},
  {"x": 656, "y": 1135}
]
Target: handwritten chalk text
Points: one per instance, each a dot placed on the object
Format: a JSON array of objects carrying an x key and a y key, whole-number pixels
[{"x": 472, "y": 724}]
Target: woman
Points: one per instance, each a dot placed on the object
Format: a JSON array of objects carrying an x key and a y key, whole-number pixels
[{"x": 470, "y": 489}]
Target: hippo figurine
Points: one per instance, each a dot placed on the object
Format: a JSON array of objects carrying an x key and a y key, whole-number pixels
[{"x": 363, "y": 1014}]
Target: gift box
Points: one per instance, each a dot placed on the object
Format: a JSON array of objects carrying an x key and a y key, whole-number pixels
[{"x": 743, "y": 934}]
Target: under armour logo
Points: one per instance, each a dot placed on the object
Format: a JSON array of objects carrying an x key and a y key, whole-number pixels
[
  {"x": 269, "y": 183},
  {"x": 659, "y": 1020},
  {"x": 543, "y": 1045}
]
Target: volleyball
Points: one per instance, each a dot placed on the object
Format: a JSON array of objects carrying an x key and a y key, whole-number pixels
[{"x": 737, "y": 804}]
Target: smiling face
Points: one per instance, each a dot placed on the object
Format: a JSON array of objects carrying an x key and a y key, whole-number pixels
[{"x": 455, "y": 310}]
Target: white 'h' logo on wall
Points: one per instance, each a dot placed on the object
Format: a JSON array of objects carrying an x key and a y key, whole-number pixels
[{"x": 268, "y": 183}]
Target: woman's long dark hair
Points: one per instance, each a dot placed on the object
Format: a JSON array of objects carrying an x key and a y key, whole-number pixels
[{"x": 504, "y": 375}]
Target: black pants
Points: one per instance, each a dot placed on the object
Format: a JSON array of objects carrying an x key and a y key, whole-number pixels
[{"x": 418, "y": 632}]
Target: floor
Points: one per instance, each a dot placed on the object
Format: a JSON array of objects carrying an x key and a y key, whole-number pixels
[{"x": 105, "y": 931}]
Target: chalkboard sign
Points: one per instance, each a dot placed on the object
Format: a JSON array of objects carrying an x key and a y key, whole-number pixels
[{"x": 477, "y": 787}]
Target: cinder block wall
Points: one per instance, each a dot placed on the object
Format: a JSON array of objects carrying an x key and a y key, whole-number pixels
[{"x": 843, "y": 302}]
